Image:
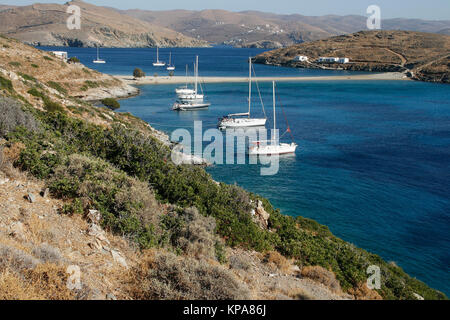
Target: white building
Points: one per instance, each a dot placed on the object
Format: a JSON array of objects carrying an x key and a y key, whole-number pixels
[
  {"x": 328, "y": 59},
  {"x": 61, "y": 54},
  {"x": 333, "y": 60},
  {"x": 301, "y": 58}
]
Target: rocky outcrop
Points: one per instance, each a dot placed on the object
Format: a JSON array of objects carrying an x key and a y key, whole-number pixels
[
  {"x": 421, "y": 56},
  {"x": 263, "y": 44},
  {"x": 260, "y": 215},
  {"x": 120, "y": 91}
]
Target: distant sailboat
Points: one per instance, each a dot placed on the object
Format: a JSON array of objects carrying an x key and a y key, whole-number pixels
[
  {"x": 170, "y": 67},
  {"x": 98, "y": 60},
  {"x": 191, "y": 101},
  {"x": 274, "y": 148},
  {"x": 242, "y": 120},
  {"x": 158, "y": 63}
]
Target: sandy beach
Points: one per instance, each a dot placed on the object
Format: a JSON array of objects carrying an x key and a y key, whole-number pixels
[{"x": 181, "y": 79}]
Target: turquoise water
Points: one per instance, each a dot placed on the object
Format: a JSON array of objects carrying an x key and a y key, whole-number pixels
[{"x": 373, "y": 161}]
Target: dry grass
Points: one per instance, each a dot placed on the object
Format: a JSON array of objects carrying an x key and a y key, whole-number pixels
[
  {"x": 50, "y": 282},
  {"x": 163, "y": 275},
  {"x": 322, "y": 276},
  {"x": 278, "y": 260},
  {"x": 197, "y": 236},
  {"x": 13, "y": 287},
  {"x": 362, "y": 292}
]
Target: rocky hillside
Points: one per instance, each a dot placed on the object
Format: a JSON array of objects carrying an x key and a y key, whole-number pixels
[
  {"x": 259, "y": 29},
  {"x": 45, "y": 25},
  {"x": 85, "y": 187},
  {"x": 422, "y": 56}
]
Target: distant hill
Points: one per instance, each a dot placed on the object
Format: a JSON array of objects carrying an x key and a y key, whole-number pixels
[
  {"x": 423, "y": 56},
  {"x": 45, "y": 24},
  {"x": 253, "y": 27}
]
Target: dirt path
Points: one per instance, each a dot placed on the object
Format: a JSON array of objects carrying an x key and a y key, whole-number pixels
[{"x": 402, "y": 58}]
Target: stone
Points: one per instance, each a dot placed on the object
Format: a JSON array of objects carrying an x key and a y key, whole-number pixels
[
  {"x": 31, "y": 198},
  {"x": 418, "y": 297},
  {"x": 110, "y": 296},
  {"x": 94, "y": 216},
  {"x": 18, "y": 230},
  {"x": 117, "y": 256},
  {"x": 46, "y": 193}
]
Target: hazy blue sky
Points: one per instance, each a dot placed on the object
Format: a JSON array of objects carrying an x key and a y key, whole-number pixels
[{"x": 431, "y": 9}]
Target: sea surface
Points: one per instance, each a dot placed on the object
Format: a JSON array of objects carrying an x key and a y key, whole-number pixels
[{"x": 373, "y": 162}]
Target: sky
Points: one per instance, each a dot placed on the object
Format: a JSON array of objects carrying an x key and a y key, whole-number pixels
[{"x": 431, "y": 9}]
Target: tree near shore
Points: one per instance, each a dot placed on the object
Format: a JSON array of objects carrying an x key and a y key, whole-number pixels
[{"x": 138, "y": 73}]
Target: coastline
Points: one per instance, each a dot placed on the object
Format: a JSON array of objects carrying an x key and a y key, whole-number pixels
[{"x": 130, "y": 80}]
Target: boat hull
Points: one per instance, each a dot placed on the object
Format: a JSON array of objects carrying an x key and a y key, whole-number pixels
[
  {"x": 242, "y": 123},
  {"x": 159, "y": 64},
  {"x": 190, "y": 106},
  {"x": 282, "y": 148}
]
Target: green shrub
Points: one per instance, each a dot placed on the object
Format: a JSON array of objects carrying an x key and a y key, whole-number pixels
[
  {"x": 57, "y": 86},
  {"x": 12, "y": 115},
  {"x": 36, "y": 93},
  {"x": 52, "y": 106},
  {"x": 111, "y": 103},
  {"x": 35, "y": 66},
  {"x": 15, "y": 64},
  {"x": 48, "y": 58},
  {"x": 27, "y": 77},
  {"x": 127, "y": 205},
  {"x": 73, "y": 60},
  {"x": 6, "y": 84},
  {"x": 88, "y": 84}
]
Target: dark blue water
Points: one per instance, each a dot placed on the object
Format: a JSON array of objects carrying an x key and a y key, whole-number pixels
[
  {"x": 219, "y": 61},
  {"x": 373, "y": 161}
]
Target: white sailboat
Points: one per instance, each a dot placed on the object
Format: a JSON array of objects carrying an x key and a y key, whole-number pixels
[
  {"x": 242, "y": 120},
  {"x": 184, "y": 90},
  {"x": 98, "y": 60},
  {"x": 158, "y": 63},
  {"x": 275, "y": 147},
  {"x": 191, "y": 101},
  {"x": 189, "y": 95},
  {"x": 170, "y": 67}
]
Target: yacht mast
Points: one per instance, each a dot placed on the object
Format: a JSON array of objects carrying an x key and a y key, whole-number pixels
[
  {"x": 249, "y": 85},
  {"x": 196, "y": 74},
  {"x": 274, "y": 114},
  {"x": 186, "y": 76},
  {"x": 157, "y": 54}
]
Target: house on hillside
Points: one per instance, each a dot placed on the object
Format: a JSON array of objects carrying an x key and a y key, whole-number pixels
[
  {"x": 61, "y": 54},
  {"x": 328, "y": 60},
  {"x": 333, "y": 60},
  {"x": 301, "y": 58}
]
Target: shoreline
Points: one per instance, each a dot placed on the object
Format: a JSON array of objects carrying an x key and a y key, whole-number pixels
[{"x": 130, "y": 80}]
